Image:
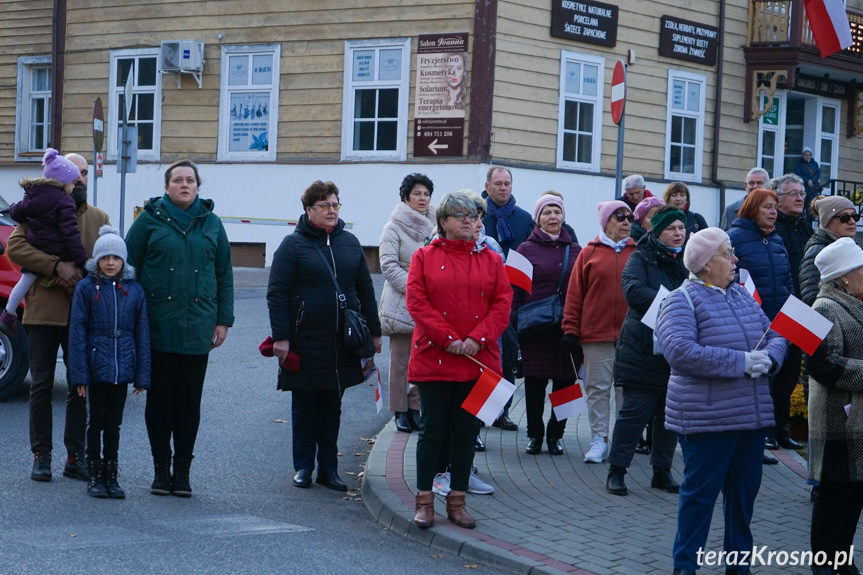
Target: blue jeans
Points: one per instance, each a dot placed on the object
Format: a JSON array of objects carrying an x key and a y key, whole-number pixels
[{"x": 726, "y": 461}]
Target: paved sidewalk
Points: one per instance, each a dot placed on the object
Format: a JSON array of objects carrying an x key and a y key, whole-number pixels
[{"x": 552, "y": 515}]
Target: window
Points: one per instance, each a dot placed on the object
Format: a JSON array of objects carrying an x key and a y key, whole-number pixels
[
  {"x": 771, "y": 136},
  {"x": 33, "y": 120},
  {"x": 375, "y": 100},
  {"x": 579, "y": 123},
  {"x": 829, "y": 147},
  {"x": 249, "y": 102},
  {"x": 684, "y": 127},
  {"x": 146, "y": 111}
]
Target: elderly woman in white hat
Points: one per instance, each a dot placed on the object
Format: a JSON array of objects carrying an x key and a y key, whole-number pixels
[
  {"x": 836, "y": 406},
  {"x": 718, "y": 398}
]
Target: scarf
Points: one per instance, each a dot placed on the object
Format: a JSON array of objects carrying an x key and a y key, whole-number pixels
[
  {"x": 616, "y": 246},
  {"x": 697, "y": 280},
  {"x": 182, "y": 217},
  {"x": 767, "y": 231},
  {"x": 543, "y": 235},
  {"x": 502, "y": 215},
  {"x": 671, "y": 251}
]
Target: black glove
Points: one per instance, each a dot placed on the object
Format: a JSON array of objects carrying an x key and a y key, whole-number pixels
[{"x": 568, "y": 343}]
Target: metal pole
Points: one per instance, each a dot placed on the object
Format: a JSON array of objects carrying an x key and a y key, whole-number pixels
[
  {"x": 618, "y": 174},
  {"x": 95, "y": 178},
  {"x": 124, "y": 158}
]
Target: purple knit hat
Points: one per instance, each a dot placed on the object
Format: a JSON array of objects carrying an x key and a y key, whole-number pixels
[
  {"x": 607, "y": 209},
  {"x": 701, "y": 246},
  {"x": 59, "y": 168},
  {"x": 645, "y": 206},
  {"x": 547, "y": 200}
]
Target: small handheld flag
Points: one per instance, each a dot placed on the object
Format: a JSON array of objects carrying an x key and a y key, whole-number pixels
[
  {"x": 749, "y": 285},
  {"x": 567, "y": 402},
  {"x": 488, "y": 396},
  {"x": 519, "y": 270},
  {"x": 801, "y": 325}
]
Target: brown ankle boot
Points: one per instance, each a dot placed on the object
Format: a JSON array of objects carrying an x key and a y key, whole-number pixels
[
  {"x": 457, "y": 513},
  {"x": 424, "y": 517}
]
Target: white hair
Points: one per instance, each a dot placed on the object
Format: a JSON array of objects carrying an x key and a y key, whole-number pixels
[{"x": 633, "y": 181}]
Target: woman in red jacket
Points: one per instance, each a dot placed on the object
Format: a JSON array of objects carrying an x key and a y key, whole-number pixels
[
  {"x": 459, "y": 297},
  {"x": 594, "y": 312}
]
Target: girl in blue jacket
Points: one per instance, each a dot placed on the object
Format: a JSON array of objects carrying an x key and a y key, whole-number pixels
[{"x": 109, "y": 348}]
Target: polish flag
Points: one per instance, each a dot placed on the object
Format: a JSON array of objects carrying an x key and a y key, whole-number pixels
[
  {"x": 829, "y": 24},
  {"x": 567, "y": 402},
  {"x": 801, "y": 325},
  {"x": 379, "y": 397},
  {"x": 488, "y": 396},
  {"x": 749, "y": 284},
  {"x": 519, "y": 270}
]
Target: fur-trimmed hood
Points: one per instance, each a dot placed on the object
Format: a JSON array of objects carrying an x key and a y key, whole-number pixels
[
  {"x": 40, "y": 181},
  {"x": 416, "y": 225},
  {"x": 128, "y": 272}
]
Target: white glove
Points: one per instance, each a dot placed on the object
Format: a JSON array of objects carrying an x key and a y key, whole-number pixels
[{"x": 756, "y": 363}]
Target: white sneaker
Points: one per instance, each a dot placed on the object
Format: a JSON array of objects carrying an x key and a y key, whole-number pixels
[
  {"x": 440, "y": 485},
  {"x": 598, "y": 449},
  {"x": 478, "y": 487}
]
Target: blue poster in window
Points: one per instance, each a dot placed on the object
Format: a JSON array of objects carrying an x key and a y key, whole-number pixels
[{"x": 249, "y": 123}]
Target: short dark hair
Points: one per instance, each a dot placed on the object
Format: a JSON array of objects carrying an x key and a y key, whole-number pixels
[
  {"x": 495, "y": 168},
  {"x": 317, "y": 192},
  {"x": 183, "y": 164},
  {"x": 412, "y": 180}
]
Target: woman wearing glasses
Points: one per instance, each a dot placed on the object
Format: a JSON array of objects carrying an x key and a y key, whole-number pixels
[
  {"x": 593, "y": 314},
  {"x": 718, "y": 399},
  {"x": 837, "y": 218},
  {"x": 459, "y": 297},
  {"x": 305, "y": 318}
]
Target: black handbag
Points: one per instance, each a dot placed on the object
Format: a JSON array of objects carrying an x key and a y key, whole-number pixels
[
  {"x": 356, "y": 335},
  {"x": 545, "y": 316}
]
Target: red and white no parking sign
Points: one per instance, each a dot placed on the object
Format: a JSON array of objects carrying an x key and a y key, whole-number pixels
[{"x": 618, "y": 91}]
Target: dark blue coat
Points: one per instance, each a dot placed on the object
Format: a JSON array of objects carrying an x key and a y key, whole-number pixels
[
  {"x": 520, "y": 221},
  {"x": 766, "y": 260},
  {"x": 109, "y": 334}
]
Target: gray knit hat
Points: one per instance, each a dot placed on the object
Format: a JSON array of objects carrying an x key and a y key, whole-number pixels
[
  {"x": 829, "y": 206},
  {"x": 109, "y": 244}
]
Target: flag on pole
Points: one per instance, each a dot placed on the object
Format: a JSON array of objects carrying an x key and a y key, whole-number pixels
[
  {"x": 519, "y": 270},
  {"x": 372, "y": 376},
  {"x": 749, "y": 284},
  {"x": 379, "y": 397},
  {"x": 488, "y": 396},
  {"x": 829, "y": 24},
  {"x": 567, "y": 402},
  {"x": 801, "y": 325}
]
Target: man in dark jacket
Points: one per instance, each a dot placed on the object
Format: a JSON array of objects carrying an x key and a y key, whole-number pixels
[
  {"x": 756, "y": 178},
  {"x": 634, "y": 190}
]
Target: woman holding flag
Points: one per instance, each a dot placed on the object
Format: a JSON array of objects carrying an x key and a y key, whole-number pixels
[{"x": 459, "y": 296}]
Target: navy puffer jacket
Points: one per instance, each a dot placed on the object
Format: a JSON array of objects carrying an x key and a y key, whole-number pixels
[
  {"x": 767, "y": 262},
  {"x": 109, "y": 334}
]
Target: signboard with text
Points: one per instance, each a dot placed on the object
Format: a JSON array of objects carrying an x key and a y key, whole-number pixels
[
  {"x": 585, "y": 21},
  {"x": 826, "y": 87},
  {"x": 441, "y": 90},
  {"x": 687, "y": 40}
]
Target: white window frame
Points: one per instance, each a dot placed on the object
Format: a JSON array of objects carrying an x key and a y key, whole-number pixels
[
  {"x": 348, "y": 100},
  {"x": 113, "y": 103},
  {"x": 23, "y": 153},
  {"x": 699, "y": 125},
  {"x": 778, "y": 151},
  {"x": 225, "y": 91},
  {"x": 597, "y": 101},
  {"x": 833, "y": 137}
]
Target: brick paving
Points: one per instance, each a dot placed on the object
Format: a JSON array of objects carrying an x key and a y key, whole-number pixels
[{"x": 552, "y": 515}]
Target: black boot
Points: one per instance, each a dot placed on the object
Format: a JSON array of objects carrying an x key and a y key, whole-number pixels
[
  {"x": 162, "y": 480},
  {"x": 402, "y": 422},
  {"x": 785, "y": 441},
  {"x": 180, "y": 480},
  {"x": 114, "y": 489},
  {"x": 96, "y": 485},
  {"x": 662, "y": 479},
  {"x": 76, "y": 467},
  {"x": 415, "y": 419},
  {"x": 615, "y": 483}
]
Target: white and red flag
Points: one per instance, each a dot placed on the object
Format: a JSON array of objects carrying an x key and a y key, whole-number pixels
[
  {"x": 519, "y": 270},
  {"x": 749, "y": 284},
  {"x": 801, "y": 325},
  {"x": 567, "y": 402},
  {"x": 829, "y": 24},
  {"x": 379, "y": 397},
  {"x": 488, "y": 396}
]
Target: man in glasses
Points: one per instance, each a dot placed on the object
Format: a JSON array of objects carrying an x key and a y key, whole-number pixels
[{"x": 756, "y": 178}]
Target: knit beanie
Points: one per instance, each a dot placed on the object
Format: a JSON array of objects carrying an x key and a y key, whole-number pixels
[
  {"x": 607, "y": 209},
  {"x": 839, "y": 258},
  {"x": 701, "y": 246},
  {"x": 59, "y": 168},
  {"x": 645, "y": 206},
  {"x": 829, "y": 206},
  {"x": 109, "y": 244},
  {"x": 662, "y": 219},
  {"x": 547, "y": 200}
]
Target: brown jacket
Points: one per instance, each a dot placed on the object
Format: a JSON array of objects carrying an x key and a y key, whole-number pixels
[{"x": 50, "y": 306}]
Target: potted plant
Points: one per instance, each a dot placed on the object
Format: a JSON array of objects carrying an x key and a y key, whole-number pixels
[{"x": 798, "y": 425}]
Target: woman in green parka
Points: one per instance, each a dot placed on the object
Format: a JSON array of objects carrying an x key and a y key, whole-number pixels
[{"x": 183, "y": 259}]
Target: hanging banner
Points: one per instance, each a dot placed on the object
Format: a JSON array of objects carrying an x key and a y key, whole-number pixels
[{"x": 441, "y": 93}]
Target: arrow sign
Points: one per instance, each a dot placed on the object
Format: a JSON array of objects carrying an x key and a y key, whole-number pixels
[
  {"x": 434, "y": 146},
  {"x": 618, "y": 91}
]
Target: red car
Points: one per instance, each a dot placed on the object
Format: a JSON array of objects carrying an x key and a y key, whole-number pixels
[{"x": 14, "y": 353}]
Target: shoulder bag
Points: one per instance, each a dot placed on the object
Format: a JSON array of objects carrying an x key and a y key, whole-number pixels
[{"x": 544, "y": 316}]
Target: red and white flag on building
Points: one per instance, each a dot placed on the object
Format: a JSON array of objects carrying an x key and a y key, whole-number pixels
[
  {"x": 801, "y": 325},
  {"x": 829, "y": 24},
  {"x": 519, "y": 270},
  {"x": 567, "y": 402},
  {"x": 749, "y": 284},
  {"x": 488, "y": 396}
]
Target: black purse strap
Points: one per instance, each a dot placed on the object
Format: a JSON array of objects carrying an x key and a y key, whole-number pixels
[
  {"x": 342, "y": 298},
  {"x": 563, "y": 271}
]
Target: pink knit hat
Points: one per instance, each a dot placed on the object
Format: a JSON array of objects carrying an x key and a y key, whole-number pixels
[
  {"x": 701, "y": 246},
  {"x": 59, "y": 168},
  {"x": 547, "y": 200},
  {"x": 607, "y": 209},
  {"x": 645, "y": 206}
]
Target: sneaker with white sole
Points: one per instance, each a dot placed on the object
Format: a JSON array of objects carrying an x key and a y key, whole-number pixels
[
  {"x": 478, "y": 487},
  {"x": 598, "y": 449},
  {"x": 440, "y": 485}
]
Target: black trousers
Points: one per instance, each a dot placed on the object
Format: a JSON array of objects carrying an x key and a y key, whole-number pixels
[
  {"x": 783, "y": 386},
  {"x": 639, "y": 407},
  {"x": 315, "y": 421},
  {"x": 107, "y": 401},
  {"x": 534, "y": 401},
  {"x": 445, "y": 422},
  {"x": 174, "y": 402},
  {"x": 835, "y": 514},
  {"x": 45, "y": 341}
]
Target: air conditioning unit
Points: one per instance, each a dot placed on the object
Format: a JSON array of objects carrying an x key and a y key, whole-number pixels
[{"x": 181, "y": 56}]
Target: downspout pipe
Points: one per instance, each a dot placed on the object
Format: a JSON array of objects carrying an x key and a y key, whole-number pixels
[
  {"x": 58, "y": 69},
  {"x": 717, "y": 110}
]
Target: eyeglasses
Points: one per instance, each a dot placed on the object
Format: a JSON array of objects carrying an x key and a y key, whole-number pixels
[
  {"x": 845, "y": 217},
  {"x": 727, "y": 255},
  {"x": 624, "y": 216},
  {"x": 461, "y": 217},
  {"x": 326, "y": 207},
  {"x": 794, "y": 194}
]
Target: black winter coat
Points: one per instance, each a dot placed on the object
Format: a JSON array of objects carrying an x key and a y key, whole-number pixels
[
  {"x": 694, "y": 222},
  {"x": 809, "y": 276},
  {"x": 795, "y": 232},
  {"x": 304, "y": 306},
  {"x": 649, "y": 267}
]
